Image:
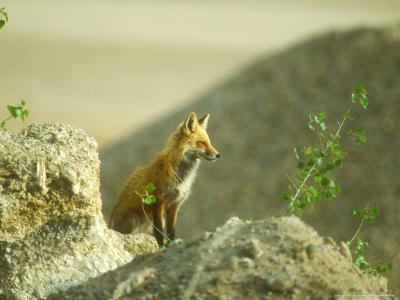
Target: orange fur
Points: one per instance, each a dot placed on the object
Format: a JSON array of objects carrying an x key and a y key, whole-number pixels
[{"x": 172, "y": 172}]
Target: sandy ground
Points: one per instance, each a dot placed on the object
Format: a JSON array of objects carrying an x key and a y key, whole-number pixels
[{"x": 112, "y": 67}]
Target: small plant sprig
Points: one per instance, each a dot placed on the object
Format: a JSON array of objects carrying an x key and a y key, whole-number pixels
[
  {"x": 357, "y": 243},
  {"x": 146, "y": 197},
  {"x": 245, "y": 221},
  {"x": 3, "y": 17},
  {"x": 316, "y": 162},
  {"x": 16, "y": 112}
]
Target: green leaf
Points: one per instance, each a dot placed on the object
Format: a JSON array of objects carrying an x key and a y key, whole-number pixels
[
  {"x": 150, "y": 199},
  {"x": 308, "y": 151},
  {"x": 2, "y": 23},
  {"x": 353, "y": 97},
  {"x": 11, "y": 109},
  {"x": 330, "y": 167},
  {"x": 314, "y": 190},
  {"x": 389, "y": 267},
  {"x": 299, "y": 212},
  {"x": 359, "y": 89},
  {"x": 23, "y": 102},
  {"x": 300, "y": 165},
  {"x": 317, "y": 179},
  {"x": 311, "y": 127},
  {"x": 374, "y": 211},
  {"x": 150, "y": 187},
  {"x": 3, "y": 123},
  {"x": 337, "y": 190},
  {"x": 329, "y": 195},
  {"x": 26, "y": 113},
  {"x": 323, "y": 126},
  {"x": 324, "y": 182},
  {"x": 364, "y": 103},
  {"x": 139, "y": 194},
  {"x": 338, "y": 163},
  {"x": 285, "y": 196},
  {"x": 322, "y": 116},
  {"x": 295, "y": 152},
  {"x": 357, "y": 212},
  {"x": 369, "y": 219},
  {"x": 311, "y": 205}
]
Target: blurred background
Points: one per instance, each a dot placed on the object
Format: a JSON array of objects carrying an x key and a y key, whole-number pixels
[
  {"x": 128, "y": 72},
  {"x": 112, "y": 67}
]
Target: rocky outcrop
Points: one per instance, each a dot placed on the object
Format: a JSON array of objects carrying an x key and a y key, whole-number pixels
[
  {"x": 52, "y": 232},
  {"x": 274, "y": 258}
]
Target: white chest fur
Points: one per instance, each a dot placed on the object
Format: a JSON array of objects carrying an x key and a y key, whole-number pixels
[{"x": 184, "y": 186}]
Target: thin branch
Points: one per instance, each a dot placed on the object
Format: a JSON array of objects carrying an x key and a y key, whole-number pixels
[
  {"x": 319, "y": 135},
  {"x": 300, "y": 187},
  {"x": 291, "y": 181},
  {"x": 314, "y": 165},
  {"x": 358, "y": 230},
  {"x": 314, "y": 212},
  {"x": 387, "y": 258},
  {"x": 5, "y": 120},
  {"x": 154, "y": 225}
]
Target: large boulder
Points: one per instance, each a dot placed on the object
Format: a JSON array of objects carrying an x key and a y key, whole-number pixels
[
  {"x": 275, "y": 258},
  {"x": 52, "y": 232}
]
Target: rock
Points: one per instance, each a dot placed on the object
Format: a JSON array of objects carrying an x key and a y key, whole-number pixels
[
  {"x": 279, "y": 283},
  {"x": 252, "y": 249},
  {"x": 52, "y": 232},
  {"x": 310, "y": 250}
]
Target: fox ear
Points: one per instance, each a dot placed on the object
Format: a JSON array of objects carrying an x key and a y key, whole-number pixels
[
  {"x": 190, "y": 124},
  {"x": 204, "y": 121}
]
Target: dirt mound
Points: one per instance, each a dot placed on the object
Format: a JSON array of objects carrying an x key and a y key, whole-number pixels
[
  {"x": 259, "y": 115},
  {"x": 275, "y": 258}
]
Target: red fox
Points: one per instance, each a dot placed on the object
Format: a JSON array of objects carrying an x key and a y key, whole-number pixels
[{"x": 172, "y": 172}]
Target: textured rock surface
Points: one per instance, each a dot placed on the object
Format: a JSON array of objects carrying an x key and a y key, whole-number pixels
[
  {"x": 260, "y": 114},
  {"x": 52, "y": 232},
  {"x": 275, "y": 258}
]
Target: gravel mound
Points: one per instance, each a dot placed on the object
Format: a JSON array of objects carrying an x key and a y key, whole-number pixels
[{"x": 275, "y": 258}]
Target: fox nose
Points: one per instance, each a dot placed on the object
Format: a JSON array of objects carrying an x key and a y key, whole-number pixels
[{"x": 218, "y": 155}]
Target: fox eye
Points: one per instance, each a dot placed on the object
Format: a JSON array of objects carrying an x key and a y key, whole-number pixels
[{"x": 203, "y": 143}]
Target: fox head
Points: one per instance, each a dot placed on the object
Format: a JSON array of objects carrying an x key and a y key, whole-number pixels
[{"x": 195, "y": 140}]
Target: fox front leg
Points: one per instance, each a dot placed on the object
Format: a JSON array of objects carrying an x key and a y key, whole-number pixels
[
  {"x": 158, "y": 223},
  {"x": 171, "y": 215}
]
